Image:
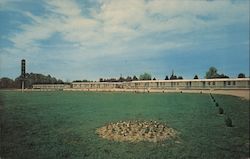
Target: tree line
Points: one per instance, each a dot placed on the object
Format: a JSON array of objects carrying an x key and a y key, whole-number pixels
[
  {"x": 212, "y": 73},
  {"x": 30, "y": 79}
]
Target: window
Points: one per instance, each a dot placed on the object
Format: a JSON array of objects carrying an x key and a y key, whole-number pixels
[
  {"x": 229, "y": 83},
  {"x": 208, "y": 83},
  {"x": 213, "y": 83},
  {"x": 234, "y": 83},
  {"x": 204, "y": 84}
]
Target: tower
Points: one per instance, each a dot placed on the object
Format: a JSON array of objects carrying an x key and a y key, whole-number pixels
[
  {"x": 22, "y": 73},
  {"x": 23, "y": 68}
]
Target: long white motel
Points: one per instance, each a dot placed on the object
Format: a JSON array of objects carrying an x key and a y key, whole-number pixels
[{"x": 199, "y": 84}]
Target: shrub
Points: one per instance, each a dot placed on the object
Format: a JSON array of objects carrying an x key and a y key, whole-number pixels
[
  {"x": 145, "y": 76},
  {"x": 228, "y": 122},
  {"x": 217, "y": 104},
  {"x": 196, "y": 77},
  {"x": 221, "y": 111},
  {"x": 241, "y": 75}
]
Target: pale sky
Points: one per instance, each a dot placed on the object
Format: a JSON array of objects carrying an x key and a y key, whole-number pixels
[{"x": 88, "y": 39}]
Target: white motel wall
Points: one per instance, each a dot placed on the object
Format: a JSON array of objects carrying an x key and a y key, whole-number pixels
[{"x": 194, "y": 84}]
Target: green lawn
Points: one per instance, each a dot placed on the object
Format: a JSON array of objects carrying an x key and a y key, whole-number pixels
[{"x": 62, "y": 125}]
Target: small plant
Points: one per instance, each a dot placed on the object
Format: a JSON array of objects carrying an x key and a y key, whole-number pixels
[
  {"x": 214, "y": 100},
  {"x": 221, "y": 111},
  {"x": 216, "y": 104},
  {"x": 228, "y": 122}
]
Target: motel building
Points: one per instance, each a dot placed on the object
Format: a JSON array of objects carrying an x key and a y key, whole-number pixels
[{"x": 194, "y": 84}]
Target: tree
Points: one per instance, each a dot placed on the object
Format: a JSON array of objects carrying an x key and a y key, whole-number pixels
[
  {"x": 212, "y": 73},
  {"x": 85, "y": 80},
  {"x": 34, "y": 78},
  {"x": 135, "y": 78},
  {"x": 6, "y": 83},
  {"x": 145, "y": 76},
  {"x": 173, "y": 77},
  {"x": 180, "y": 77},
  {"x": 222, "y": 76},
  {"x": 101, "y": 80},
  {"x": 154, "y": 78},
  {"x": 196, "y": 77},
  {"x": 166, "y": 78},
  {"x": 128, "y": 79},
  {"x": 121, "y": 79},
  {"x": 241, "y": 75}
]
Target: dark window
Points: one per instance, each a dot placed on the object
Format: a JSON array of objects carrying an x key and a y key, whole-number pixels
[
  {"x": 229, "y": 83},
  {"x": 213, "y": 83},
  {"x": 233, "y": 82},
  {"x": 208, "y": 83}
]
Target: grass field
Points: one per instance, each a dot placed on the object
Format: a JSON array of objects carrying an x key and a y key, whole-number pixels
[{"x": 63, "y": 124}]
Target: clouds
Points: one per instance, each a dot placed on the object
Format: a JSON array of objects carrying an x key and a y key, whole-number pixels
[
  {"x": 134, "y": 28},
  {"x": 125, "y": 20}
]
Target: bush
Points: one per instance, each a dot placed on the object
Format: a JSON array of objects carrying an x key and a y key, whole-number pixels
[
  {"x": 145, "y": 76},
  {"x": 196, "y": 77},
  {"x": 221, "y": 111},
  {"x": 241, "y": 75},
  {"x": 217, "y": 104},
  {"x": 228, "y": 122}
]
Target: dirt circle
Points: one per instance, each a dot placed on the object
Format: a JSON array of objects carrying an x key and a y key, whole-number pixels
[{"x": 135, "y": 131}]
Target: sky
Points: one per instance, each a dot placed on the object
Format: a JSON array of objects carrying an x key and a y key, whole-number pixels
[{"x": 90, "y": 39}]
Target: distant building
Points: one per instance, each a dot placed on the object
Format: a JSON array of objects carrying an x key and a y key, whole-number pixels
[{"x": 238, "y": 83}]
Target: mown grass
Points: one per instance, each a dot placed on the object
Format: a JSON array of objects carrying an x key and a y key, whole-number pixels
[{"x": 63, "y": 124}]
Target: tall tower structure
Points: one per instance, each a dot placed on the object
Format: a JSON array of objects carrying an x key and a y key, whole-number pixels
[{"x": 23, "y": 71}]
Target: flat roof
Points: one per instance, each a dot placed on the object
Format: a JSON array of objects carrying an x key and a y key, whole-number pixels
[{"x": 177, "y": 80}]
